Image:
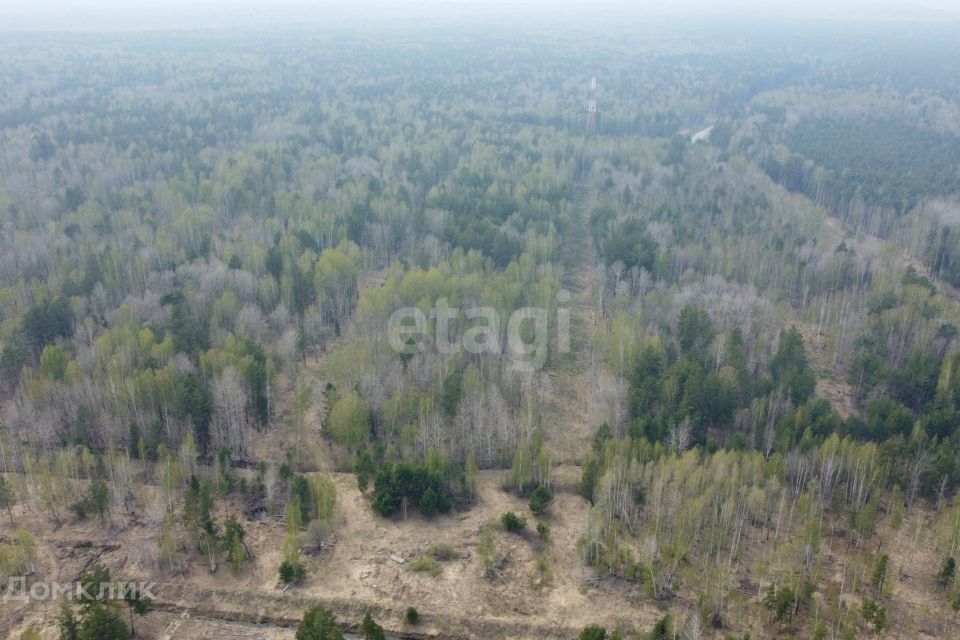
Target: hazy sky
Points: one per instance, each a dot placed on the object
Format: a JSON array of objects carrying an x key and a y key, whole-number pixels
[{"x": 114, "y": 15}]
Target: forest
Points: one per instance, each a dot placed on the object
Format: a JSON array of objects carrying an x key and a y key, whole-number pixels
[{"x": 747, "y": 419}]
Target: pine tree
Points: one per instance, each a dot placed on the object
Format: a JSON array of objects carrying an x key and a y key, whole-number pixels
[
  {"x": 103, "y": 622},
  {"x": 137, "y": 604},
  {"x": 428, "y": 503},
  {"x": 370, "y": 630},
  {"x": 879, "y": 574},
  {"x": 540, "y": 500},
  {"x": 318, "y": 624},
  {"x": 947, "y": 571}
]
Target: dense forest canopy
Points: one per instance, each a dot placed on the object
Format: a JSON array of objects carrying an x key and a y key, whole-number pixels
[{"x": 745, "y": 273}]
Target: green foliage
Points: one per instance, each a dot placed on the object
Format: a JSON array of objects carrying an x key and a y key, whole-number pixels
[
  {"x": 400, "y": 483},
  {"x": 102, "y": 622},
  {"x": 442, "y": 552},
  {"x": 428, "y": 503},
  {"x": 426, "y": 564},
  {"x": 513, "y": 523},
  {"x": 318, "y": 624},
  {"x": 13, "y": 357},
  {"x": 8, "y": 497},
  {"x": 315, "y": 497},
  {"x": 943, "y": 256},
  {"x": 593, "y": 632},
  {"x": 192, "y": 400},
  {"x": 190, "y": 333},
  {"x": 542, "y": 574},
  {"x": 486, "y": 548},
  {"x": 45, "y": 322},
  {"x": 18, "y": 555},
  {"x": 780, "y": 602},
  {"x": 875, "y": 615},
  {"x": 68, "y": 624},
  {"x": 99, "y": 618},
  {"x": 97, "y": 500},
  {"x": 947, "y": 571},
  {"x": 292, "y": 572},
  {"x": 820, "y": 631},
  {"x": 789, "y": 367},
  {"x": 53, "y": 362},
  {"x": 451, "y": 391},
  {"x": 543, "y": 530},
  {"x": 630, "y": 245},
  {"x": 250, "y": 360},
  {"x": 588, "y": 479},
  {"x": 137, "y": 603},
  {"x": 349, "y": 422},
  {"x": 90, "y": 581},
  {"x": 233, "y": 542},
  {"x": 411, "y": 616},
  {"x": 364, "y": 467},
  {"x": 884, "y": 161},
  {"x": 540, "y": 500},
  {"x": 694, "y": 331},
  {"x": 879, "y": 574},
  {"x": 370, "y": 630},
  {"x": 661, "y": 630}
]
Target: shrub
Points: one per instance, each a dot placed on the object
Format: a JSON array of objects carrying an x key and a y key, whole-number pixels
[
  {"x": 661, "y": 630},
  {"x": 540, "y": 500},
  {"x": 442, "y": 552},
  {"x": 426, "y": 564},
  {"x": 428, "y": 503},
  {"x": 542, "y": 572},
  {"x": 485, "y": 550},
  {"x": 513, "y": 523},
  {"x": 543, "y": 530},
  {"x": 292, "y": 572},
  {"x": 414, "y": 482},
  {"x": 875, "y": 614},
  {"x": 947, "y": 570},
  {"x": 593, "y": 632},
  {"x": 370, "y": 630},
  {"x": 412, "y": 616},
  {"x": 318, "y": 624}
]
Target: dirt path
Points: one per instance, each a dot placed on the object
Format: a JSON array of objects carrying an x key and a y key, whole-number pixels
[{"x": 572, "y": 412}]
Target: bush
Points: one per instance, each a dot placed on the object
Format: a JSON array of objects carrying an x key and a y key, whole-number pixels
[
  {"x": 318, "y": 624},
  {"x": 542, "y": 572},
  {"x": 661, "y": 630},
  {"x": 412, "y": 616},
  {"x": 540, "y": 500},
  {"x": 428, "y": 503},
  {"x": 543, "y": 530},
  {"x": 442, "y": 552},
  {"x": 513, "y": 523},
  {"x": 415, "y": 482},
  {"x": 370, "y": 630},
  {"x": 593, "y": 632},
  {"x": 426, "y": 564},
  {"x": 292, "y": 572},
  {"x": 485, "y": 550},
  {"x": 875, "y": 614},
  {"x": 947, "y": 571}
]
